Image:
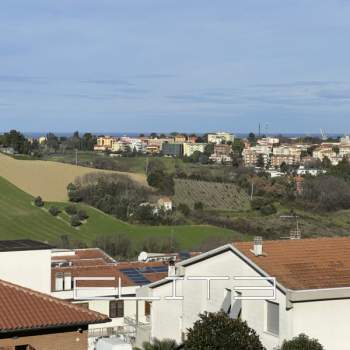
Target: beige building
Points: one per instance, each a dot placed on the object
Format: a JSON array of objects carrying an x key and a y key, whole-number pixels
[
  {"x": 104, "y": 143},
  {"x": 190, "y": 148},
  {"x": 278, "y": 160}
]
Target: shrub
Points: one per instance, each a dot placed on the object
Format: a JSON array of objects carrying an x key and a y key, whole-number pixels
[
  {"x": 301, "y": 342},
  {"x": 218, "y": 331},
  {"x": 54, "y": 210},
  {"x": 71, "y": 210},
  {"x": 156, "y": 344},
  {"x": 82, "y": 215},
  {"x": 184, "y": 209},
  {"x": 198, "y": 206},
  {"x": 39, "y": 202},
  {"x": 74, "y": 221},
  {"x": 268, "y": 209}
]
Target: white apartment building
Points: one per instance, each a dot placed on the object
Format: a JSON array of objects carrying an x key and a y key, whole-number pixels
[
  {"x": 220, "y": 137},
  {"x": 250, "y": 155},
  {"x": 268, "y": 141},
  {"x": 190, "y": 148},
  {"x": 312, "y": 294}
]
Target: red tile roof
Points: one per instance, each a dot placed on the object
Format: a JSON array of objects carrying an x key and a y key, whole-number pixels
[
  {"x": 306, "y": 263},
  {"x": 25, "y": 309}
]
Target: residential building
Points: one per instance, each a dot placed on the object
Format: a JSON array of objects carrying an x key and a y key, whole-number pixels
[
  {"x": 222, "y": 149},
  {"x": 35, "y": 321},
  {"x": 180, "y": 138},
  {"x": 344, "y": 150},
  {"x": 165, "y": 203},
  {"x": 220, "y": 137},
  {"x": 220, "y": 158},
  {"x": 345, "y": 140},
  {"x": 280, "y": 288},
  {"x": 302, "y": 171},
  {"x": 250, "y": 155},
  {"x": 26, "y": 263},
  {"x": 327, "y": 152},
  {"x": 104, "y": 143},
  {"x": 172, "y": 149},
  {"x": 42, "y": 140},
  {"x": 91, "y": 278},
  {"x": 278, "y": 160},
  {"x": 190, "y": 148},
  {"x": 192, "y": 139},
  {"x": 153, "y": 149},
  {"x": 268, "y": 141},
  {"x": 119, "y": 146}
]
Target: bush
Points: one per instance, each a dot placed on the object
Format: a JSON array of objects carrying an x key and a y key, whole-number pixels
[
  {"x": 198, "y": 206},
  {"x": 82, "y": 215},
  {"x": 268, "y": 209},
  {"x": 184, "y": 209},
  {"x": 71, "y": 210},
  {"x": 39, "y": 202},
  {"x": 302, "y": 342},
  {"x": 74, "y": 221},
  {"x": 258, "y": 202},
  {"x": 218, "y": 331},
  {"x": 156, "y": 344},
  {"x": 54, "y": 210}
]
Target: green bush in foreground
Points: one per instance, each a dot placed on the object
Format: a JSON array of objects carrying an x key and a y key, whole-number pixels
[
  {"x": 301, "y": 342},
  {"x": 217, "y": 331}
]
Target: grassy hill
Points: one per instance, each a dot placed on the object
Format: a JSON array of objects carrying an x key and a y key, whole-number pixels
[
  {"x": 47, "y": 179},
  {"x": 19, "y": 218},
  {"x": 213, "y": 195}
]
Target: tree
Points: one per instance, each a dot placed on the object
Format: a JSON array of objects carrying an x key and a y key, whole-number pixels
[
  {"x": 260, "y": 161},
  {"x": 82, "y": 215},
  {"x": 39, "y": 202},
  {"x": 284, "y": 167},
  {"x": 54, "y": 211},
  {"x": 198, "y": 206},
  {"x": 156, "y": 344},
  {"x": 74, "y": 221},
  {"x": 71, "y": 210},
  {"x": 301, "y": 342},
  {"x": 217, "y": 331},
  {"x": 184, "y": 209},
  {"x": 326, "y": 163},
  {"x": 252, "y": 139}
]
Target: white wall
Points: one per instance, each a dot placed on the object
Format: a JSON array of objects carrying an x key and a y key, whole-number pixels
[
  {"x": 31, "y": 269},
  {"x": 171, "y": 318},
  {"x": 326, "y": 320}
]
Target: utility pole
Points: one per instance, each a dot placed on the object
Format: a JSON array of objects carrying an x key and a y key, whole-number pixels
[
  {"x": 252, "y": 192},
  {"x": 76, "y": 157}
]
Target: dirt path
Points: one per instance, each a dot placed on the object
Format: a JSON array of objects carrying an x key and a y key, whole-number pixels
[{"x": 47, "y": 179}]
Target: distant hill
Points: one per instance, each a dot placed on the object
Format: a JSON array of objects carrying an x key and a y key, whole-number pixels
[
  {"x": 213, "y": 195},
  {"x": 19, "y": 218}
]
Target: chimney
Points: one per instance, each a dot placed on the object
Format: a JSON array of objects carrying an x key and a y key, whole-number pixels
[
  {"x": 171, "y": 268},
  {"x": 258, "y": 246}
]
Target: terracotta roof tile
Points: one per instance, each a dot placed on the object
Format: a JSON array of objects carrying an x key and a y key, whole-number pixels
[
  {"x": 25, "y": 309},
  {"x": 306, "y": 263}
]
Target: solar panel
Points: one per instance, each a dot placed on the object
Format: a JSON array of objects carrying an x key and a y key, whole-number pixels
[{"x": 135, "y": 276}]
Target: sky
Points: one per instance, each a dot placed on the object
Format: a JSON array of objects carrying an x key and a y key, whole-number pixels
[{"x": 166, "y": 65}]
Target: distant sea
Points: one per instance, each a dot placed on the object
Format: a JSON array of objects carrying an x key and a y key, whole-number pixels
[{"x": 135, "y": 134}]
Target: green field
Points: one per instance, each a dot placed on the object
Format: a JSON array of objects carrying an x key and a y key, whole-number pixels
[{"x": 19, "y": 218}]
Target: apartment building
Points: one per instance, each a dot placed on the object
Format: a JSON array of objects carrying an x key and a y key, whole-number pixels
[
  {"x": 251, "y": 154},
  {"x": 280, "y": 288},
  {"x": 180, "y": 138},
  {"x": 289, "y": 155},
  {"x": 268, "y": 141},
  {"x": 172, "y": 149},
  {"x": 104, "y": 143},
  {"x": 190, "y": 148},
  {"x": 220, "y": 137}
]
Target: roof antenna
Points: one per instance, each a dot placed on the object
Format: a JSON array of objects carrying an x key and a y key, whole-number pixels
[{"x": 296, "y": 233}]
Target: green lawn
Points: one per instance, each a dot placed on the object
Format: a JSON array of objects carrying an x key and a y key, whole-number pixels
[{"x": 19, "y": 218}]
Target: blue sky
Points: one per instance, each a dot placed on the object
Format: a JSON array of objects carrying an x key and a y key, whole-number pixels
[{"x": 164, "y": 65}]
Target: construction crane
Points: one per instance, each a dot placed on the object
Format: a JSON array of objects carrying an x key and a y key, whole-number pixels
[{"x": 323, "y": 135}]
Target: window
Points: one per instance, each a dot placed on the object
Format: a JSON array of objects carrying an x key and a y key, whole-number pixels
[
  {"x": 147, "y": 308},
  {"x": 116, "y": 308},
  {"x": 59, "y": 281},
  {"x": 22, "y": 347},
  {"x": 273, "y": 318},
  {"x": 68, "y": 281}
]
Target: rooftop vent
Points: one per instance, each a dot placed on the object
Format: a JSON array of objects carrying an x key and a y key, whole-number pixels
[{"x": 258, "y": 246}]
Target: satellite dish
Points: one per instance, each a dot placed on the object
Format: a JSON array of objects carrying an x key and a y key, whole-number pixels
[{"x": 143, "y": 256}]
